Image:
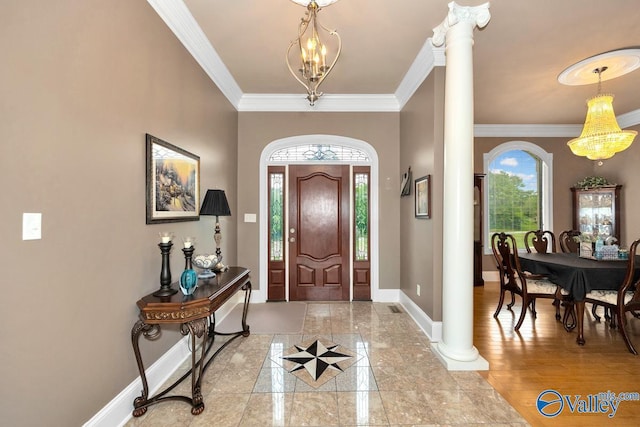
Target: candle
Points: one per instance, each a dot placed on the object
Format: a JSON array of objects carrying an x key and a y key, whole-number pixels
[
  {"x": 188, "y": 242},
  {"x": 165, "y": 236}
]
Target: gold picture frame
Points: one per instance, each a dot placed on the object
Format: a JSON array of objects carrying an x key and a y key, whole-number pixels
[
  {"x": 423, "y": 197},
  {"x": 173, "y": 183}
]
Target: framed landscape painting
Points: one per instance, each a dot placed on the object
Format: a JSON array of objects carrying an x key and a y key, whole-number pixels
[
  {"x": 173, "y": 183},
  {"x": 423, "y": 197}
]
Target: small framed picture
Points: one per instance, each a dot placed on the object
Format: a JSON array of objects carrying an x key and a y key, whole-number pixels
[
  {"x": 423, "y": 197},
  {"x": 173, "y": 183}
]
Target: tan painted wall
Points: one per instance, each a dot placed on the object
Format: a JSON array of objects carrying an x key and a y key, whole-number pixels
[
  {"x": 81, "y": 84},
  {"x": 422, "y": 137},
  {"x": 623, "y": 168},
  {"x": 381, "y": 130}
]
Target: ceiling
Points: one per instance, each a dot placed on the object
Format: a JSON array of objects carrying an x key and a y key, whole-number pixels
[{"x": 518, "y": 55}]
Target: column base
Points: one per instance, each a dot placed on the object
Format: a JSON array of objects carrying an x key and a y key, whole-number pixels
[{"x": 477, "y": 364}]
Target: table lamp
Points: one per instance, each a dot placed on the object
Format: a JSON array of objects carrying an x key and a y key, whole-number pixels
[{"x": 215, "y": 203}]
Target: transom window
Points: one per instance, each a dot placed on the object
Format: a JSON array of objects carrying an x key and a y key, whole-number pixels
[{"x": 319, "y": 152}]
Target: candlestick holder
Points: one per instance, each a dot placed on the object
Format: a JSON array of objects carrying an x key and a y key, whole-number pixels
[
  {"x": 165, "y": 272},
  {"x": 188, "y": 278}
]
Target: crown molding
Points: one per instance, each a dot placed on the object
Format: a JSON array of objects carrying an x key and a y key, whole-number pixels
[
  {"x": 626, "y": 120},
  {"x": 181, "y": 22},
  {"x": 428, "y": 57},
  {"x": 632, "y": 118},
  {"x": 179, "y": 19},
  {"x": 524, "y": 130},
  {"x": 327, "y": 103}
]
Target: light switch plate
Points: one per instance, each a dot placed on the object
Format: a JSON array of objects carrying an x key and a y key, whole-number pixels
[
  {"x": 31, "y": 226},
  {"x": 249, "y": 217}
]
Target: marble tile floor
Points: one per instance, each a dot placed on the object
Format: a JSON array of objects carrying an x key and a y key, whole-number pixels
[{"x": 385, "y": 375}]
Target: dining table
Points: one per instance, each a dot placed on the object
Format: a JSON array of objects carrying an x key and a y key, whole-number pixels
[{"x": 577, "y": 275}]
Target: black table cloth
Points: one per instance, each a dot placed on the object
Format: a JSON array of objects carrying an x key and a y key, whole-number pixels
[{"x": 576, "y": 275}]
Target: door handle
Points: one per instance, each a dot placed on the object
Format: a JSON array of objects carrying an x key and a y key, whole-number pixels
[{"x": 292, "y": 239}]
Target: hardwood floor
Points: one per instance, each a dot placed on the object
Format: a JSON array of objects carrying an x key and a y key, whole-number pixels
[{"x": 542, "y": 356}]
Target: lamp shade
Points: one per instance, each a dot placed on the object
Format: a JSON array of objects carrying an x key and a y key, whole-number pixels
[
  {"x": 601, "y": 136},
  {"x": 215, "y": 203}
]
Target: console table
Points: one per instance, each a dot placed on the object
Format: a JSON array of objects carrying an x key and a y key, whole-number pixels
[{"x": 196, "y": 316}]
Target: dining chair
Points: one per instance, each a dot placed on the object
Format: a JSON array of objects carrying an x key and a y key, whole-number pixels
[
  {"x": 625, "y": 299},
  {"x": 567, "y": 242},
  {"x": 512, "y": 279},
  {"x": 540, "y": 240},
  {"x": 570, "y": 245}
]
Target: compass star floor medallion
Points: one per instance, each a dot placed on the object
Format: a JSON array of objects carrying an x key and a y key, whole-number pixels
[{"x": 317, "y": 361}]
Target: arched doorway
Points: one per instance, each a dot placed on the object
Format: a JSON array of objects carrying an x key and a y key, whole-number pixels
[{"x": 350, "y": 152}]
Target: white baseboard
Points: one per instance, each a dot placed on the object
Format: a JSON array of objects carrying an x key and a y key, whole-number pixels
[
  {"x": 386, "y": 295},
  {"x": 477, "y": 364},
  {"x": 491, "y": 276},
  {"x": 118, "y": 411},
  {"x": 431, "y": 328}
]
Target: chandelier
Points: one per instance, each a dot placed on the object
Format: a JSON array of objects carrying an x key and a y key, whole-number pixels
[
  {"x": 311, "y": 54},
  {"x": 601, "y": 135}
]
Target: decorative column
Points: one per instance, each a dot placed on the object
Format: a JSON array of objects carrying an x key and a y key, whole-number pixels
[{"x": 456, "y": 349}]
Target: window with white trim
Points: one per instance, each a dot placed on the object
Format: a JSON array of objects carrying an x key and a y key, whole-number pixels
[{"x": 518, "y": 189}]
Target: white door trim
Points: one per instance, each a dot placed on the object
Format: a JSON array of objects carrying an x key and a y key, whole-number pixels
[{"x": 260, "y": 295}]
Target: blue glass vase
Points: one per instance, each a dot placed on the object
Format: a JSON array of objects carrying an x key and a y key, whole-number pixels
[
  {"x": 189, "y": 277},
  {"x": 188, "y": 281}
]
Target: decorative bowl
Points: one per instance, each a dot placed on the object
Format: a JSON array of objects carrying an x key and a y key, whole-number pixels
[{"x": 206, "y": 262}]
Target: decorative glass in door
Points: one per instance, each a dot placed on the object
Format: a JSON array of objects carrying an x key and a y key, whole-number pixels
[{"x": 596, "y": 210}]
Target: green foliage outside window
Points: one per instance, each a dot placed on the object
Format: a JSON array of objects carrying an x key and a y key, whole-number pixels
[
  {"x": 276, "y": 217},
  {"x": 362, "y": 216},
  {"x": 512, "y": 208}
]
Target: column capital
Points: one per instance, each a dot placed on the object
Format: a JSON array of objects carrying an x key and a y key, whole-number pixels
[{"x": 475, "y": 15}]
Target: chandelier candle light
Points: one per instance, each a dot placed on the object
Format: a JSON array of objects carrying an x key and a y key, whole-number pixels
[
  {"x": 601, "y": 136},
  {"x": 312, "y": 52}
]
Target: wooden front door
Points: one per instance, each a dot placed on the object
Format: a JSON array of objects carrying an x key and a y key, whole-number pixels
[{"x": 319, "y": 233}]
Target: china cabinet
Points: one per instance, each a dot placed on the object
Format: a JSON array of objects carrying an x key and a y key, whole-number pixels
[{"x": 597, "y": 210}]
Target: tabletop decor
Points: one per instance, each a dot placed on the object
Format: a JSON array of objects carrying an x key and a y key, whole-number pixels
[
  {"x": 587, "y": 242},
  {"x": 188, "y": 278},
  {"x": 594, "y": 246},
  {"x": 165, "y": 272},
  {"x": 207, "y": 263},
  {"x": 173, "y": 183}
]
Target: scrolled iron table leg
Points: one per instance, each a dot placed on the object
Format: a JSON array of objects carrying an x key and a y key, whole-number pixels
[
  {"x": 150, "y": 332},
  {"x": 197, "y": 329},
  {"x": 245, "y": 309}
]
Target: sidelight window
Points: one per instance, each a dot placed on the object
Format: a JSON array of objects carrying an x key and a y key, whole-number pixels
[
  {"x": 361, "y": 217},
  {"x": 276, "y": 216}
]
